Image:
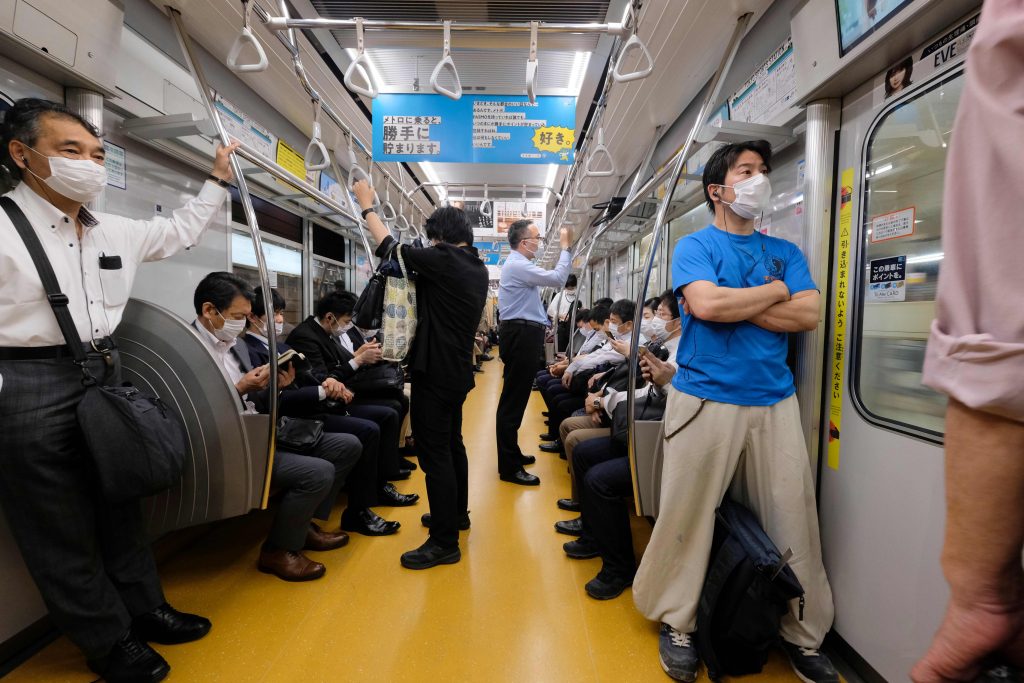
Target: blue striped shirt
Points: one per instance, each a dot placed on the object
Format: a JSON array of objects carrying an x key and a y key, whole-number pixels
[{"x": 521, "y": 280}]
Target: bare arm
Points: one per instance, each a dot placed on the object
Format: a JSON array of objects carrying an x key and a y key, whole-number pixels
[
  {"x": 799, "y": 314},
  {"x": 710, "y": 302},
  {"x": 982, "y": 549},
  {"x": 364, "y": 195}
]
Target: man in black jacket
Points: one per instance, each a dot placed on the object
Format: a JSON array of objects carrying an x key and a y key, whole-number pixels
[
  {"x": 316, "y": 338},
  {"x": 451, "y": 288}
]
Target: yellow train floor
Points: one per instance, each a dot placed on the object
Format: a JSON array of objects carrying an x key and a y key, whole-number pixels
[{"x": 513, "y": 609}]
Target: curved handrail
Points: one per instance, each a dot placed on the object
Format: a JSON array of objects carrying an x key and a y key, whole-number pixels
[
  {"x": 385, "y": 208},
  {"x": 574, "y": 211},
  {"x": 447, "y": 61},
  {"x": 633, "y": 43},
  {"x": 360, "y": 65},
  {"x": 402, "y": 224},
  {"x": 599, "y": 149},
  {"x": 246, "y": 37},
  {"x": 532, "y": 64},
  {"x": 316, "y": 145}
]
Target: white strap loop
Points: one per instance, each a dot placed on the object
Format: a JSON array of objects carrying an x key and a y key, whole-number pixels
[
  {"x": 526, "y": 208},
  {"x": 583, "y": 193},
  {"x": 595, "y": 154},
  {"x": 316, "y": 148},
  {"x": 486, "y": 208},
  {"x": 447, "y": 61},
  {"x": 574, "y": 211},
  {"x": 246, "y": 37},
  {"x": 402, "y": 224},
  {"x": 633, "y": 43},
  {"x": 532, "y": 64},
  {"x": 360, "y": 65}
]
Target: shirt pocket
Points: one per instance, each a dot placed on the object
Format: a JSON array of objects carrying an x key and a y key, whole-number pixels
[{"x": 114, "y": 284}]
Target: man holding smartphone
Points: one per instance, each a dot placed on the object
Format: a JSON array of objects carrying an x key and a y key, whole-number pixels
[{"x": 523, "y": 320}]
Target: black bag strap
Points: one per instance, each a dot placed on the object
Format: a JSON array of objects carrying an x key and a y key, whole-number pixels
[{"x": 57, "y": 299}]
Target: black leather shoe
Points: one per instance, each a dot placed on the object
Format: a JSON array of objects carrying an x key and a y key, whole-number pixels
[
  {"x": 522, "y": 477},
  {"x": 168, "y": 626},
  {"x": 402, "y": 474},
  {"x": 580, "y": 549},
  {"x": 553, "y": 447},
  {"x": 571, "y": 527},
  {"x": 131, "y": 661},
  {"x": 486, "y": 357},
  {"x": 463, "y": 521},
  {"x": 528, "y": 459},
  {"x": 606, "y": 585},
  {"x": 430, "y": 555},
  {"x": 391, "y": 496},
  {"x": 546, "y": 414},
  {"x": 477, "y": 369},
  {"x": 548, "y": 436},
  {"x": 368, "y": 523},
  {"x": 568, "y": 504},
  {"x": 407, "y": 464}
]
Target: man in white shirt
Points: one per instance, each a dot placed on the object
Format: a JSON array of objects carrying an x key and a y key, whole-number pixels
[
  {"x": 560, "y": 311},
  {"x": 89, "y": 558}
]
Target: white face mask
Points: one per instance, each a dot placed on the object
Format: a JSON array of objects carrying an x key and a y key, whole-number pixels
[
  {"x": 655, "y": 329},
  {"x": 81, "y": 180},
  {"x": 231, "y": 329},
  {"x": 752, "y": 196},
  {"x": 368, "y": 334},
  {"x": 278, "y": 328},
  {"x": 570, "y": 296},
  {"x": 614, "y": 329},
  {"x": 343, "y": 329}
]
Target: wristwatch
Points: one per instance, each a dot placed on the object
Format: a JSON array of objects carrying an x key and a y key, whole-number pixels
[{"x": 368, "y": 211}]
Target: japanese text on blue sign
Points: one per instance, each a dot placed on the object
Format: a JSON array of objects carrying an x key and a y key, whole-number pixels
[{"x": 478, "y": 129}]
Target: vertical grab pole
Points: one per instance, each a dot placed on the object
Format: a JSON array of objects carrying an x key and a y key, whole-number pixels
[
  {"x": 579, "y": 288},
  {"x": 250, "y": 216},
  {"x": 660, "y": 227}
]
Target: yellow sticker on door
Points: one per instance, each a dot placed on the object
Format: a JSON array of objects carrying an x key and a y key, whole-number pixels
[{"x": 838, "y": 359}]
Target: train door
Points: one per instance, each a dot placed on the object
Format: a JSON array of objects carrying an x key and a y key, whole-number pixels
[{"x": 881, "y": 490}]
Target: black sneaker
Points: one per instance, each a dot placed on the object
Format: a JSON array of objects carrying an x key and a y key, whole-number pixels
[
  {"x": 607, "y": 585},
  {"x": 678, "y": 654},
  {"x": 429, "y": 555},
  {"x": 810, "y": 664},
  {"x": 570, "y": 527}
]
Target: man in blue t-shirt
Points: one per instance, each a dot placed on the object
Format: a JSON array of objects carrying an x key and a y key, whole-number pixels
[{"x": 732, "y": 423}]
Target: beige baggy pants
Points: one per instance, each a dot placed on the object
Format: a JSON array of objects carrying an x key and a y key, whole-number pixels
[
  {"x": 572, "y": 431},
  {"x": 757, "y": 455}
]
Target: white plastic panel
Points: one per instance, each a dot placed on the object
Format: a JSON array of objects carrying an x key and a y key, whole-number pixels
[{"x": 45, "y": 33}]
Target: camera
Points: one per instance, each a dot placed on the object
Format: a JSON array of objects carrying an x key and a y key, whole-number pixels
[{"x": 658, "y": 350}]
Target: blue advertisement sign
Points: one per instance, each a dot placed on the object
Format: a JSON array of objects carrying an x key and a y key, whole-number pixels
[{"x": 478, "y": 129}]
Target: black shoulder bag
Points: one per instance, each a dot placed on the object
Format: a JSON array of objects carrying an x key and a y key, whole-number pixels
[{"x": 137, "y": 443}]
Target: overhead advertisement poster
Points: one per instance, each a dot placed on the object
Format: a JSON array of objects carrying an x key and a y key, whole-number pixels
[
  {"x": 769, "y": 91},
  {"x": 476, "y": 129},
  {"x": 888, "y": 279},
  {"x": 241, "y": 126}
]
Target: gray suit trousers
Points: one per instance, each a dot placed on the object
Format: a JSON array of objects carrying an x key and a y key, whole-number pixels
[{"x": 90, "y": 559}]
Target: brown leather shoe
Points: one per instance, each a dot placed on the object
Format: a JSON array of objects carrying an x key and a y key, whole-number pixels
[
  {"x": 289, "y": 566},
  {"x": 318, "y": 539}
]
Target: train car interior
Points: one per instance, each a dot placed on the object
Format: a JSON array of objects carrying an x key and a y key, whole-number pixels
[{"x": 595, "y": 116}]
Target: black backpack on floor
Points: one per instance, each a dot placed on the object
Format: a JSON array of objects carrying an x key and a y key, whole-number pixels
[{"x": 746, "y": 593}]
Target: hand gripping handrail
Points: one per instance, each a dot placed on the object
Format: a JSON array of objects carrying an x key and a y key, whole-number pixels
[
  {"x": 584, "y": 193},
  {"x": 599, "y": 149},
  {"x": 356, "y": 172},
  {"x": 360, "y": 64},
  {"x": 316, "y": 145},
  {"x": 486, "y": 208},
  {"x": 532, "y": 64},
  {"x": 633, "y": 43},
  {"x": 447, "y": 61},
  {"x": 246, "y": 37}
]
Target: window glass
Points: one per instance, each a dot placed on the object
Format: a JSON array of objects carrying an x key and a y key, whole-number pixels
[
  {"x": 284, "y": 264},
  {"x": 905, "y": 161},
  {"x": 325, "y": 275},
  {"x": 600, "y": 280},
  {"x": 620, "y": 268},
  {"x": 363, "y": 270}
]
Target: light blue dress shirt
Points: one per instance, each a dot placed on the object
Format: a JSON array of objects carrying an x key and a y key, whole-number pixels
[{"x": 521, "y": 280}]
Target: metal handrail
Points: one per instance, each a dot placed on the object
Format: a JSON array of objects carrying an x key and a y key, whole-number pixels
[
  {"x": 661, "y": 226},
  {"x": 250, "y": 216},
  {"x": 283, "y": 23}
]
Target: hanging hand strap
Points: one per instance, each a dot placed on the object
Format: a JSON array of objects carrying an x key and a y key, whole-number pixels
[{"x": 57, "y": 299}]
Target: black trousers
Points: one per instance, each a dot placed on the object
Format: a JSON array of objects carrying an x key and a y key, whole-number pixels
[
  {"x": 604, "y": 481},
  {"x": 388, "y": 415},
  {"x": 522, "y": 352},
  {"x": 437, "y": 424},
  {"x": 90, "y": 559},
  {"x": 366, "y": 478}
]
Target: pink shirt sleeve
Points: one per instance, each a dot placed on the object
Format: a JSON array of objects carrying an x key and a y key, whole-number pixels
[{"x": 976, "y": 348}]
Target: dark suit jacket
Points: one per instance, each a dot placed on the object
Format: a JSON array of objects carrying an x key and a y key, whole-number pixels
[
  {"x": 299, "y": 399},
  {"x": 240, "y": 351},
  {"x": 326, "y": 356}
]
